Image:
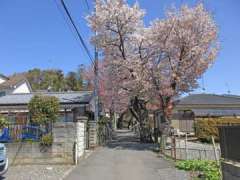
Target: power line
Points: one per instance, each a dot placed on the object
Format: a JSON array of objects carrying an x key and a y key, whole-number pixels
[
  {"x": 94, "y": 62},
  {"x": 77, "y": 32},
  {"x": 70, "y": 28},
  {"x": 87, "y": 4}
]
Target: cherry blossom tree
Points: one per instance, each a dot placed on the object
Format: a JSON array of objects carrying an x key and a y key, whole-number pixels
[
  {"x": 154, "y": 63},
  {"x": 111, "y": 94},
  {"x": 183, "y": 46},
  {"x": 116, "y": 22}
]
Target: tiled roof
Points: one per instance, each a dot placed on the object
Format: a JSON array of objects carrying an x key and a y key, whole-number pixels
[
  {"x": 216, "y": 112},
  {"x": 209, "y": 99},
  {"x": 64, "y": 97},
  {"x": 13, "y": 81},
  {"x": 4, "y": 77}
]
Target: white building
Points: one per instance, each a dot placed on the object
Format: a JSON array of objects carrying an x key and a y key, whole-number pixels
[
  {"x": 3, "y": 78},
  {"x": 16, "y": 84}
]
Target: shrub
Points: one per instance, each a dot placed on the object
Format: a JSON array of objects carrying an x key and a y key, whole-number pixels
[
  {"x": 44, "y": 110},
  {"x": 103, "y": 120},
  {"x": 47, "y": 140},
  {"x": 3, "y": 122},
  {"x": 205, "y": 128},
  {"x": 210, "y": 169},
  {"x": 102, "y": 129}
]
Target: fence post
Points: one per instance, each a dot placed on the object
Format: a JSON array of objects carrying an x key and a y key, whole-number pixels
[
  {"x": 200, "y": 156},
  {"x": 215, "y": 150},
  {"x": 171, "y": 147},
  {"x": 162, "y": 143},
  {"x": 180, "y": 150},
  {"x": 205, "y": 152},
  {"x": 186, "y": 150},
  {"x": 174, "y": 148},
  {"x": 75, "y": 154}
]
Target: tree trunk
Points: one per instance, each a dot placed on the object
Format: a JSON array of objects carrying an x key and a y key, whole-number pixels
[
  {"x": 120, "y": 121},
  {"x": 48, "y": 126},
  {"x": 166, "y": 106},
  {"x": 112, "y": 117},
  {"x": 140, "y": 113}
]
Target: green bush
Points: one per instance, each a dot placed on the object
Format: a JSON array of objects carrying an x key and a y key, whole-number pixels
[
  {"x": 210, "y": 169},
  {"x": 103, "y": 120},
  {"x": 205, "y": 128},
  {"x": 47, "y": 140},
  {"x": 3, "y": 122},
  {"x": 44, "y": 110},
  {"x": 102, "y": 130}
]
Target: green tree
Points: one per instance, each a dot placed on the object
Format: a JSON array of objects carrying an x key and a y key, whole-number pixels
[
  {"x": 74, "y": 79},
  {"x": 44, "y": 110},
  {"x": 71, "y": 81},
  {"x": 52, "y": 80},
  {"x": 80, "y": 76},
  {"x": 34, "y": 78}
]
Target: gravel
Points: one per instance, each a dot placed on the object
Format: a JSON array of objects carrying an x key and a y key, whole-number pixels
[{"x": 37, "y": 172}]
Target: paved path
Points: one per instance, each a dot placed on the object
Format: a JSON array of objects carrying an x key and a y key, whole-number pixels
[{"x": 126, "y": 159}]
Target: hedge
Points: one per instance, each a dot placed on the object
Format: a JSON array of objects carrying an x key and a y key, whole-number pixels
[{"x": 205, "y": 128}]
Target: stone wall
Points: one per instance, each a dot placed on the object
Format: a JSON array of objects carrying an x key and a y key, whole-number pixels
[
  {"x": 21, "y": 153},
  {"x": 61, "y": 151},
  {"x": 65, "y": 136}
]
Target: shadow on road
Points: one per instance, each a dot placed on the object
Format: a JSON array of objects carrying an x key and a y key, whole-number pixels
[{"x": 128, "y": 140}]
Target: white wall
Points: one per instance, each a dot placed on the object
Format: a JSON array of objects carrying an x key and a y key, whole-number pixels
[
  {"x": 2, "y": 80},
  {"x": 22, "y": 89}
]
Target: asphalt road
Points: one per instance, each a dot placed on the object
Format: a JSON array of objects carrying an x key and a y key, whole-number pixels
[{"x": 126, "y": 159}]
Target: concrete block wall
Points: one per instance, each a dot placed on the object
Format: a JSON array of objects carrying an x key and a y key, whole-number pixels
[
  {"x": 64, "y": 136},
  {"x": 92, "y": 134}
]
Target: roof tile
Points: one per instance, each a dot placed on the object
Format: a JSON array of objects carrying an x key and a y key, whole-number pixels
[
  {"x": 209, "y": 99},
  {"x": 64, "y": 97}
]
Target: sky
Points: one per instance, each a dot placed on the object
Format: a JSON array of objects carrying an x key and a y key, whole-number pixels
[{"x": 36, "y": 34}]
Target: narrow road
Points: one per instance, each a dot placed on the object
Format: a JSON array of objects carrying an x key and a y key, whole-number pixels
[{"x": 126, "y": 159}]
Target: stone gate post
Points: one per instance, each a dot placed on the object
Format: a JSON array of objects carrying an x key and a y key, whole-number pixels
[
  {"x": 92, "y": 134},
  {"x": 81, "y": 125}
]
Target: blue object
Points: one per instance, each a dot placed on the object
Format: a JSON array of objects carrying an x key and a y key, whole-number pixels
[
  {"x": 5, "y": 137},
  {"x": 31, "y": 132}
]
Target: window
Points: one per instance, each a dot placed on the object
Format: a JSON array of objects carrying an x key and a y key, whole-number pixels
[{"x": 2, "y": 93}]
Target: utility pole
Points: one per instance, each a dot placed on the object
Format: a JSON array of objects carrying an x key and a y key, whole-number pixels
[
  {"x": 95, "y": 63},
  {"x": 96, "y": 80},
  {"x": 96, "y": 84}
]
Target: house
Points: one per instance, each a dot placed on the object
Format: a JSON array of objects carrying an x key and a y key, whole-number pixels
[
  {"x": 3, "y": 78},
  {"x": 194, "y": 107},
  {"x": 72, "y": 104},
  {"x": 16, "y": 84}
]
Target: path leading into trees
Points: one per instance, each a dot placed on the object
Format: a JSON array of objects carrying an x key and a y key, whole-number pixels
[{"x": 126, "y": 159}]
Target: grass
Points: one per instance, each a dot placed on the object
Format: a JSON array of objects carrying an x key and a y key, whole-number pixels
[{"x": 202, "y": 169}]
